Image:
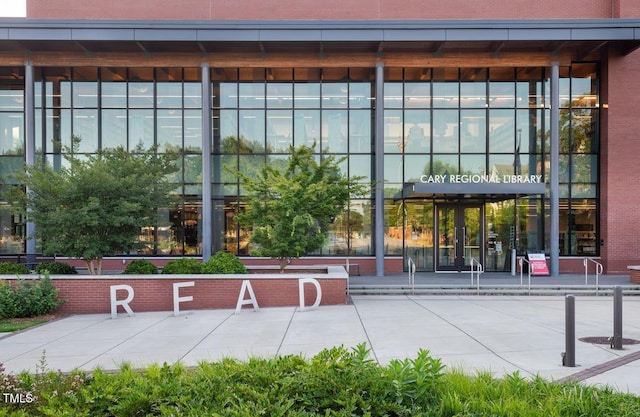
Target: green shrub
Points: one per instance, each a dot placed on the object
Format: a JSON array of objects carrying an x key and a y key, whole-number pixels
[
  {"x": 223, "y": 263},
  {"x": 337, "y": 382},
  {"x": 141, "y": 267},
  {"x": 56, "y": 268},
  {"x": 182, "y": 266},
  {"x": 29, "y": 298},
  {"x": 8, "y": 301},
  {"x": 10, "y": 268}
]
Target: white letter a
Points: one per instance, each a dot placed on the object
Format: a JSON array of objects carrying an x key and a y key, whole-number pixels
[{"x": 246, "y": 286}]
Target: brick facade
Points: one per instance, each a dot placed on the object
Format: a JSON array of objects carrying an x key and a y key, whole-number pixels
[{"x": 329, "y": 10}]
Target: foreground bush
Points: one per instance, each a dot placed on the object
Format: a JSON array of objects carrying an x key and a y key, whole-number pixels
[
  {"x": 56, "y": 268},
  {"x": 29, "y": 298},
  {"x": 223, "y": 263},
  {"x": 10, "y": 268},
  {"x": 337, "y": 382},
  {"x": 182, "y": 266},
  {"x": 141, "y": 267}
]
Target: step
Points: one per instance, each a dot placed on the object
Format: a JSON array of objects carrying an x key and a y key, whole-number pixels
[{"x": 488, "y": 290}]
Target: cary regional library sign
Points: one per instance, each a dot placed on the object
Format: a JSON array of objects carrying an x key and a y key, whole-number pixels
[
  {"x": 480, "y": 179},
  {"x": 476, "y": 184}
]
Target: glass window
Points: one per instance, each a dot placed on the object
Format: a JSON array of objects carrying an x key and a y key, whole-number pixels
[
  {"x": 279, "y": 130},
  {"x": 251, "y": 95},
  {"x": 473, "y": 164},
  {"x": 584, "y": 168},
  {"x": 279, "y": 96},
  {"x": 473, "y": 88},
  {"x": 360, "y": 135},
  {"x": 446, "y": 129},
  {"x": 12, "y": 89},
  {"x": 307, "y": 95},
  {"x": 584, "y": 130},
  {"x": 583, "y": 85},
  {"x": 360, "y": 95},
  {"x": 169, "y": 124},
  {"x": 361, "y": 166},
  {"x": 417, "y": 131},
  {"x": 393, "y": 131},
  {"x": 415, "y": 166},
  {"x": 169, "y": 95},
  {"x": 192, "y": 131},
  {"x": 11, "y": 133},
  {"x": 141, "y": 128},
  {"x": 114, "y": 94},
  {"x": 306, "y": 128},
  {"x": 417, "y": 95},
  {"x": 252, "y": 129},
  {"x": 501, "y": 87},
  {"x": 393, "y": 95},
  {"x": 445, "y": 165},
  {"x": 501, "y": 131},
  {"x": 334, "y": 131},
  {"x": 529, "y": 86},
  {"x": 114, "y": 128},
  {"x": 85, "y": 127},
  {"x": 335, "y": 95},
  {"x": 393, "y": 169},
  {"x": 473, "y": 131}
]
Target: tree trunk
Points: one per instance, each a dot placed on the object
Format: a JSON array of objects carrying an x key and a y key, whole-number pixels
[{"x": 90, "y": 266}]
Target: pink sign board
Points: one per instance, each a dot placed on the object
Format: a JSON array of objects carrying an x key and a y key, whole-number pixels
[{"x": 538, "y": 264}]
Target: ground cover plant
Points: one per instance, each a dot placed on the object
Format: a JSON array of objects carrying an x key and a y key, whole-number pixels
[{"x": 336, "y": 382}]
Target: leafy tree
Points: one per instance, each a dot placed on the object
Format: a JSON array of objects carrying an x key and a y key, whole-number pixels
[
  {"x": 291, "y": 208},
  {"x": 97, "y": 204}
]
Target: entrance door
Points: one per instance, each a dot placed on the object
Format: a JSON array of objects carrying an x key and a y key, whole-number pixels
[{"x": 460, "y": 236}]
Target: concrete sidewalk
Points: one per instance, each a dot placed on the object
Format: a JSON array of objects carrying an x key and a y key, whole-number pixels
[{"x": 488, "y": 333}]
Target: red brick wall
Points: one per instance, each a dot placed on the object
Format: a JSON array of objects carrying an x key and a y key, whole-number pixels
[
  {"x": 328, "y": 9},
  {"x": 92, "y": 294},
  {"x": 620, "y": 197},
  {"x": 628, "y": 8}
]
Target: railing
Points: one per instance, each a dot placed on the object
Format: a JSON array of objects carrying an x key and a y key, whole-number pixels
[
  {"x": 477, "y": 270},
  {"x": 598, "y": 271},
  {"x": 411, "y": 266},
  {"x": 521, "y": 261},
  {"x": 30, "y": 260}
]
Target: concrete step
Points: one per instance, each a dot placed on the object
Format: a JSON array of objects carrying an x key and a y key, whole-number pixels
[{"x": 557, "y": 290}]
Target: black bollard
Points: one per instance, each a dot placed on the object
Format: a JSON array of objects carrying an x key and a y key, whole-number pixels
[
  {"x": 616, "y": 342},
  {"x": 569, "y": 356}
]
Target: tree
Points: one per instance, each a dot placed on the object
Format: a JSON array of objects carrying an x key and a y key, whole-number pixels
[
  {"x": 291, "y": 208},
  {"x": 97, "y": 204}
]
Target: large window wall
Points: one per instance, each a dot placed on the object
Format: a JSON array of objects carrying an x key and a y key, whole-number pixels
[
  {"x": 436, "y": 121},
  {"x": 130, "y": 107},
  {"x": 490, "y": 121},
  {"x": 259, "y": 113},
  {"x": 11, "y": 152}
]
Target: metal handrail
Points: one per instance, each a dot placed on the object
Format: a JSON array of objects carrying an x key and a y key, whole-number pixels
[
  {"x": 477, "y": 271},
  {"x": 521, "y": 261},
  {"x": 411, "y": 266},
  {"x": 599, "y": 269}
]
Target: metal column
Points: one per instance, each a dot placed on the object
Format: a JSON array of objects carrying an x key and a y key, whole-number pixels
[
  {"x": 554, "y": 188},
  {"x": 207, "y": 211},
  {"x": 379, "y": 174},
  {"x": 30, "y": 147}
]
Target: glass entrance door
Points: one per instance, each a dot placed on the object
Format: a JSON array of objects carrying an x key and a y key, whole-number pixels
[{"x": 460, "y": 236}]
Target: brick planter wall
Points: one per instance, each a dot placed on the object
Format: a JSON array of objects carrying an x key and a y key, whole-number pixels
[
  {"x": 634, "y": 273},
  {"x": 87, "y": 294}
]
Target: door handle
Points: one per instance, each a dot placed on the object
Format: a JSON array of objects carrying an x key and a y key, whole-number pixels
[
  {"x": 464, "y": 240},
  {"x": 455, "y": 242}
]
